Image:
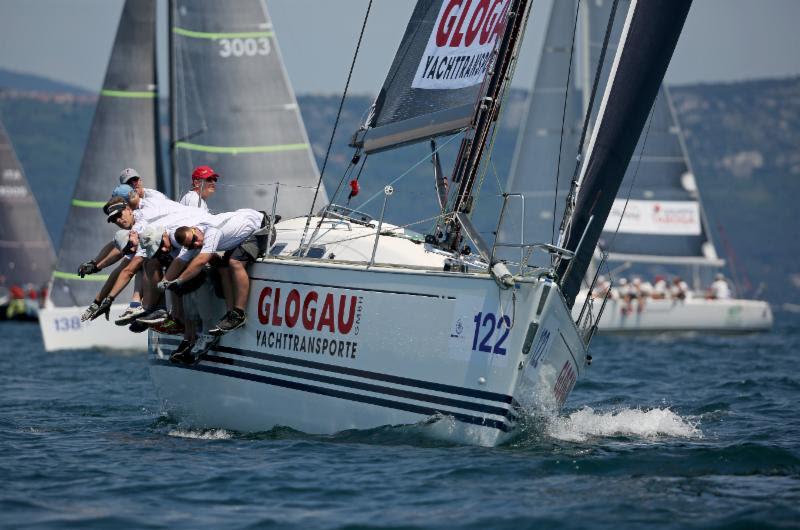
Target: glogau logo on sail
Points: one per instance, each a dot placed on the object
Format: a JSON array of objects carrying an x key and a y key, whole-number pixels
[
  {"x": 311, "y": 321},
  {"x": 460, "y": 46}
]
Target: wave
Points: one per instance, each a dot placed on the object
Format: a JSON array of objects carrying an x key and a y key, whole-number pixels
[
  {"x": 650, "y": 424},
  {"x": 201, "y": 434}
]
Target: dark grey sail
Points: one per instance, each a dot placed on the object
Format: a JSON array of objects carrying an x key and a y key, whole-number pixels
[
  {"x": 233, "y": 109},
  {"x": 122, "y": 135},
  {"x": 435, "y": 80},
  {"x": 664, "y": 220},
  {"x": 648, "y": 40},
  {"x": 545, "y": 155},
  {"x": 26, "y": 252}
]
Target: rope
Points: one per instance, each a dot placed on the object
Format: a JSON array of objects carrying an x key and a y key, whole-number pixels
[{"x": 336, "y": 122}]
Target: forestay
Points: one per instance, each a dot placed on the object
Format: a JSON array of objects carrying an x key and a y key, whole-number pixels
[
  {"x": 435, "y": 80},
  {"x": 26, "y": 253},
  {"x": 121, "y": 136},
  {"x": 234, "y": 109}
]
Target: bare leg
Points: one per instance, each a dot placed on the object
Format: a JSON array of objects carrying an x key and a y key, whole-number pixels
[
  {"x": 138, "y": 282},
  {"x": 241, "y": 284}
]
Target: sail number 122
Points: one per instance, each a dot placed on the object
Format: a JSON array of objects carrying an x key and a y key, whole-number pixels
[{"x": 491, "y": 331}]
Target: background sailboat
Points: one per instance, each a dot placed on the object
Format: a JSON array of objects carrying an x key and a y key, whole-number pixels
[
  {"x": 26, "y": 252},
  {"x": 121, "y": 135},
  {"x": 664, "y": 221}
]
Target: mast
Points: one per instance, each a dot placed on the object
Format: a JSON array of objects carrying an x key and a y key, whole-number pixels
[
  {"x": 648, "y": 40},
  {"x": 173, "y": 123}
]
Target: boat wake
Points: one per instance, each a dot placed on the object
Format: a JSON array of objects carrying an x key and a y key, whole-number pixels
[
  {"x": 201, "y": 434},
  {"x": 653, "y": 424}
]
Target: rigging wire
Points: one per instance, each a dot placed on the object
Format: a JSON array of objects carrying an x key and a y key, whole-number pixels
[
  {"x": 336, "y": 122},
  {"x": 563, "y": 121}
]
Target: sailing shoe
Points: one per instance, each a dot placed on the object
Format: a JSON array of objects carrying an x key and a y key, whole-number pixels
[
  {"x": 129, "y": 315},
  {"x": 201, "y": 347},
  {"x": 232, "y": 320},
  {"x": 137, "y": 327},
  {"x": 182, "y": 353},
  {"x": 169, "y": 327},
  {"x": 156, "y": 316}
]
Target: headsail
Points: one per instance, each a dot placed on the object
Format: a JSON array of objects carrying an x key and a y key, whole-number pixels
[
  {"x": 434, "y": 83},
  {"x": 233, "y": 108},
  {"x": 121, "y": 136},
  {"x": 663, "y": 219},
  {"x": 26, "y": 252},
  {"x": 648, "y": 39},
  {"x": 541, "y": 140}
]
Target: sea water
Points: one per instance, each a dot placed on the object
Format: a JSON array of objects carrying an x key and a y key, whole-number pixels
[{"x": 663, "y": 432}]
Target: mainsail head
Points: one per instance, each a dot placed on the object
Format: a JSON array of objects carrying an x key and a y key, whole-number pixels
[
  {"x": 234, "y": 109},
  {"x": 434, "y": 83},
  {"x": 26, "y": 253},
  {"x": 121, "y": 136}
]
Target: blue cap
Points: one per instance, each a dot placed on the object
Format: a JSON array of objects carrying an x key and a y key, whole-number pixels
[{"x": 123, "y": 190}]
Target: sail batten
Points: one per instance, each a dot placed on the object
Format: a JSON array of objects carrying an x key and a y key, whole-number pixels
[{"x": 234, "y": 109}]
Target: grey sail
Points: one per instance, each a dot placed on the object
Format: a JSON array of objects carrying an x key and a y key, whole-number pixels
[
  {"x": 121, "y": 136},
  {"x": 434, "y": 83},
  {"x": 233, "y": 109},
  {"x": 663, "y": 220},
  {"x": 26, "y": 252},
  {"x": 545, "y": 155},
  {"x": 648, "y": 40}
]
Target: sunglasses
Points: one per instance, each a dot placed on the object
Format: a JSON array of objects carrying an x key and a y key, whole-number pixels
[{"x": 191, "y": 242}]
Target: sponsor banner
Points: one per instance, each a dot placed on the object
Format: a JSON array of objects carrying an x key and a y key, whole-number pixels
[
  {"x": 460, "y": 46},
  {"x": 307, "y": 320},
  {"x": 673, "y": 218}
]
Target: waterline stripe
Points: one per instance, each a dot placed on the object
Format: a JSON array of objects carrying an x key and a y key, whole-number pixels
[
  {"x": 240, "y": 150},
  {"x": 128, "y": 94},
  {"x": 88, "y": 278},
  {"x": 88, "y": 204},
  {"x": 214, "y": 36}
]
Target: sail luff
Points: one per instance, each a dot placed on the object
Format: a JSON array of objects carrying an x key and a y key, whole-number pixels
[{"x": 649, "y": 37}]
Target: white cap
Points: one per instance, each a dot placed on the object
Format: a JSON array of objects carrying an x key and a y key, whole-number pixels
[
  {"x": 121, "y": 238},
  {"x": 150, "y": 240}
]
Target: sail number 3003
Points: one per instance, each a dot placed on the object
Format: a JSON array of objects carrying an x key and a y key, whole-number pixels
[
  {"x": 492, "y": 332},
  {"x": 244, "y": 47}
]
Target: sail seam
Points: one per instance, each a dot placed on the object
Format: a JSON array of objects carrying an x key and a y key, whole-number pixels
[
  {"x": 215, "y": 36},
  {"x": 241, "y": 149}
]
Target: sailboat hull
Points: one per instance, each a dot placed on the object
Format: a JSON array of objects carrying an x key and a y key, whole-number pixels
[
  {"x": 331, "y": 347},
  {"x": 691, "y": 315},
  {"x": 62, "y": 329}
]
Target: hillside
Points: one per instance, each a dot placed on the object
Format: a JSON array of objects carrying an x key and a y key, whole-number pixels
[{"x": 744, "y": 141}]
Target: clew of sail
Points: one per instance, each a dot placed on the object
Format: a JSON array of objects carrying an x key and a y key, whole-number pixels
[
  {"x": 26, "y": 253},
  {"x": 648, "y": 40},
  {"x": 233, "y": 108},
  {"x": 121, "y": 136}
]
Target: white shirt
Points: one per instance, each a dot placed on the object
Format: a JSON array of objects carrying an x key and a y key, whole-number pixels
[
  {"x": 152, "y": 197},
  {"x": 720, "y": 290},
  {"x": 170, "y": 215},
  {"x": 192, "y": 198},
  {"x": 225, "y": 231}
]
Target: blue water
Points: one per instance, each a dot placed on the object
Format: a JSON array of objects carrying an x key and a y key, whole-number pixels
[{"x": 698, "y": 432}]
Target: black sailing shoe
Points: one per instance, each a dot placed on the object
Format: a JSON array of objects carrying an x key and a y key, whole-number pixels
[
  {"x": 182, "y": 353},
  {"x": 232, "y": 320}
]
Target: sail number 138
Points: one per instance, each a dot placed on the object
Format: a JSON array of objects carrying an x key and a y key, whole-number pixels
[{"x": 491, "y": 332}]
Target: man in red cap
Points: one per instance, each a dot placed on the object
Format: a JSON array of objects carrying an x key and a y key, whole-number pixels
[{"x": 204, "y": 184}]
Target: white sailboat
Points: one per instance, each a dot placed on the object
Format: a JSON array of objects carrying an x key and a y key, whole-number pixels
[
  {"x": 356, "y": 323},
  {"x": 664, "y": 222},
  {"x": 121, "y": 135}
]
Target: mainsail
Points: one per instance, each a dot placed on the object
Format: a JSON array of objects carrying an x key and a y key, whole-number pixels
[
  {"x": 648, "y": 39},
  {"x": 121, "y": 136},
  {"x": 26, "y": 253},
  {"x": 435, "y": 80},
  {"x": 663, "y": 220},
  {"x": 233, "y": 108}
]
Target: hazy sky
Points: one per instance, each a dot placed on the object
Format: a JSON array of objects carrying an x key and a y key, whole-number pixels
[{"x": 70, "y": 40}]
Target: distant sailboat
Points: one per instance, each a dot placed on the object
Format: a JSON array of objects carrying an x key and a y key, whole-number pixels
[
  {"x": 355, "y": 323},
  {"x": 26, "y": 252},
  {"x": 676, "y": 234},
  {"x": 121, "y": 135}
]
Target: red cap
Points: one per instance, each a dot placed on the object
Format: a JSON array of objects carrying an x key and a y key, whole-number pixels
[{"x": 203, "y": 173}]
